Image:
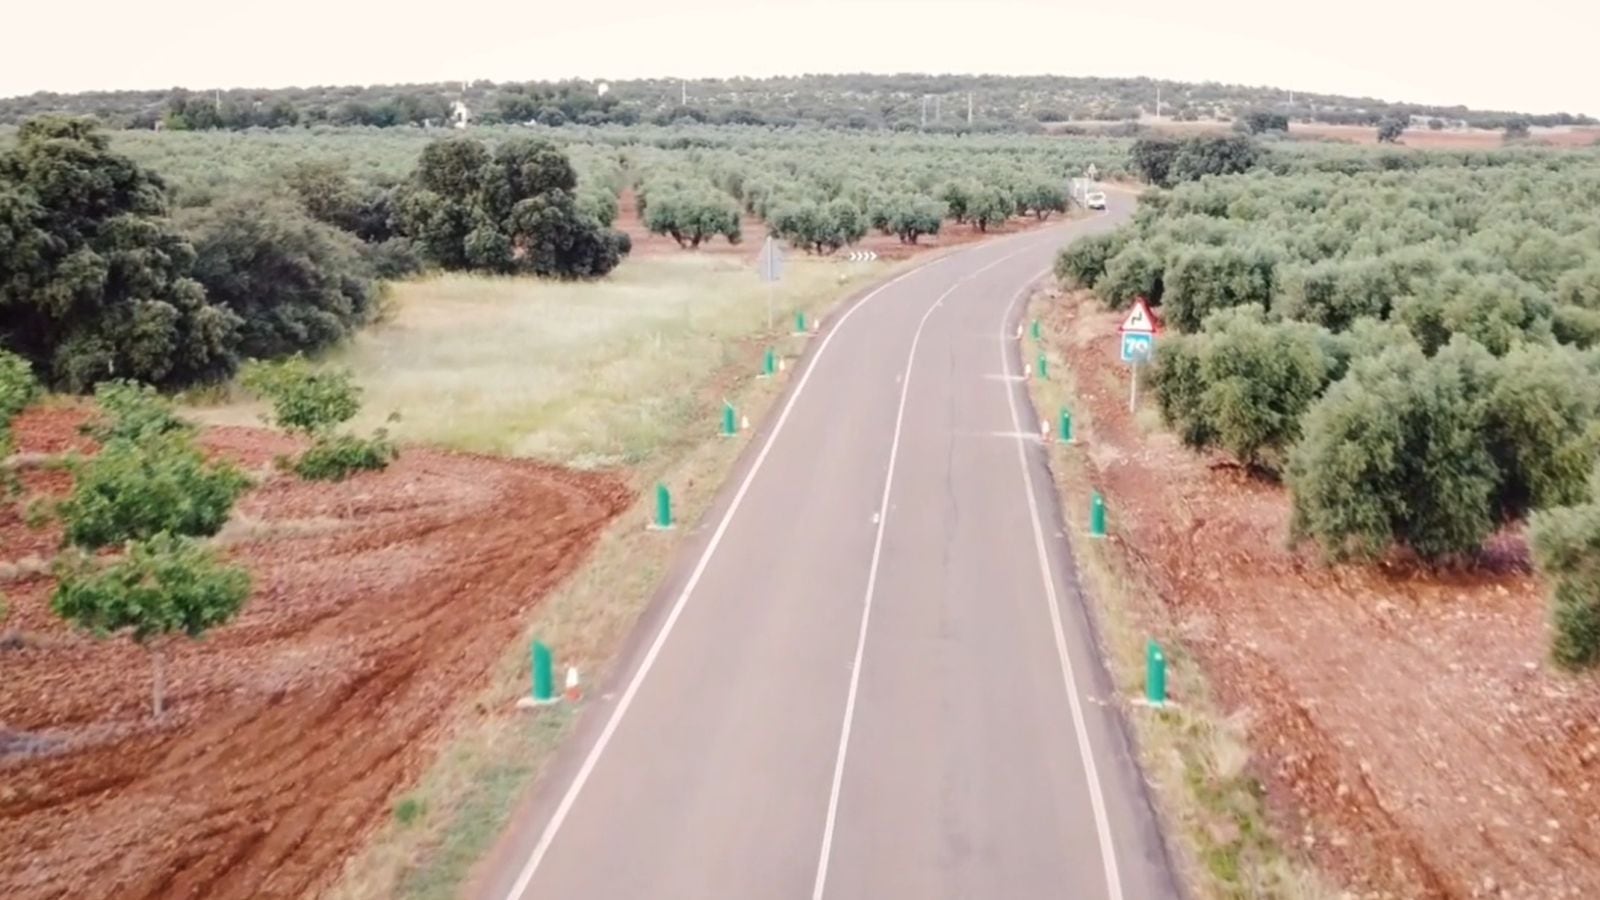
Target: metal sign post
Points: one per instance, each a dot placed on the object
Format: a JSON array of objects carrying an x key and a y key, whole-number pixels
[
  {"x": 770, "y": 265},
  {"x": 1138, "y": 341}
]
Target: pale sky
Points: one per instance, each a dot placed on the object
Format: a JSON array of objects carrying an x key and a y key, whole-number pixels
[{"x": 1530, "y": 56}]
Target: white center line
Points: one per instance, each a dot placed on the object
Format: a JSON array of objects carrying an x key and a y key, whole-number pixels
[
  {"x": 882, "y": 519},
  {"x": 1108, "y": 853}
]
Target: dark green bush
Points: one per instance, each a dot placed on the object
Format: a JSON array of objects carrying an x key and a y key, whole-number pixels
[
  {"x": 1394, "y": 453},
  {"x": 1566, "y": 547},
  {"x": 304, "y": 399},
  {"x": 94, "y": 281},
  {"x": 17, "y": 390},
  {"x": 296, "y": 284},
  {"x": 1203, "y": 280},
  {"x": 132, "y": 411},
  {"x": 1136, "y": 271},
  {"x": 1242, "y": 383},
  {"x": 336, "y": 457},
  {"x": 1083, "y": 262}
]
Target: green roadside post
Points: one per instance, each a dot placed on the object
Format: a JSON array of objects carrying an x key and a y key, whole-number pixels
[
  {"x": 1066, "y": 426},
  {"x": 730, "y": 422},
  {"x": 663, "y": 507},
  {"x": 800, "y": 321},
  {"x": 1155, "y": 674},
  {"x": 1044, "y": 368},
  {"x": 1035, "y": 331},
  {"x": 1097, "y": 516},
  {"x": 769, "y": 363},
  {"x": 544, "y": 679}
]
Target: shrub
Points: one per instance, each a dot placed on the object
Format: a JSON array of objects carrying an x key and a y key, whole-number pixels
[
  {"x": 305, "y": 400},
  {"x": 1566, "y": 547},
  {"x": 1083, "y": 262},
  {"x": 17, "y": 390},
  {"x": 132, "y": 411},
  {"x": 132, "y": 490},
  {"x": 1540, "y": 426},
  {"x": 1136, "y": 271},
  {"x": 335, "y": 457},
  {"x": 1394, "y": 453},
  {"x": 165, "y": 585},
  {"x": 1243, "y": 384},
  {"x": 315, "y": 402},
  {"x": 1202, "y": 280}
]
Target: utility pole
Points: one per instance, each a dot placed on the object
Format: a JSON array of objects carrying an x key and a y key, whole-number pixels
[
  {"x": 1158, "y": 101},
  {"x": 924, "y": 110},
  {"x": 683, "y": 97},
  {"x": 937, "y": 106},
  {"x": 969, "y": 107}
]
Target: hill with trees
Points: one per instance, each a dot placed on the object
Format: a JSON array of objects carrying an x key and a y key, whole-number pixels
[{"x": 853, "y": 101}]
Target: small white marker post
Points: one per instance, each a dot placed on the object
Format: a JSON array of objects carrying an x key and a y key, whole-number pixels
[{"x": 1027, "y": 370}]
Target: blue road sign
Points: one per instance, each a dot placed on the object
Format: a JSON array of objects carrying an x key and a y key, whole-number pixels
[{"x": 1136, "y": 346}]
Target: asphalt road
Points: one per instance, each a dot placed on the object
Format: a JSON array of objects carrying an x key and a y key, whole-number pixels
[{"x": 871, "y": 674}]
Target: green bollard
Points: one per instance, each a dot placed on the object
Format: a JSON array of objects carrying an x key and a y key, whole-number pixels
[
  {"x": 1044, "y": 367},
  {"x": 800, "y": 322},
  {"x": 663, "y": 507},
  {"x": 1155, "y": 674},
  {"x": 730, "y": 424},
  {"x": 1097, "y": 516},
  {"x": 1036, "y": 329},
  {"x": 544, "y": 679},
  {"x": 769, "y": 363},
  {"x": 1066, "y": 426}
]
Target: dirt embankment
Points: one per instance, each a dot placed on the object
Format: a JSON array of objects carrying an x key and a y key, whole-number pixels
[
  {"x": 1409, "y": 731},
  {"x": 378, "y": 603},
  {"x": 753, "y": 232}
]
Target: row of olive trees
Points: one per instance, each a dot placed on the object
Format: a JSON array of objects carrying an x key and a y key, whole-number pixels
[{"x": 1409, "y": 352}]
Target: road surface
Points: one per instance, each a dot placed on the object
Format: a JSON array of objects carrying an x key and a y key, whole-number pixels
[{"x": 871, "y": 674}]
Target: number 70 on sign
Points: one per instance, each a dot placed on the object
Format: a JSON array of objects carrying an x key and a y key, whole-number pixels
[{"x": 1136, "y": 347}]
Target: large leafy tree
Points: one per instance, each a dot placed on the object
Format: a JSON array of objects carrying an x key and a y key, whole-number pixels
[
  {"x": 511, "y": 211},
  {"x": 94, "y": 281},
  {"x": 296, "y": 283}
]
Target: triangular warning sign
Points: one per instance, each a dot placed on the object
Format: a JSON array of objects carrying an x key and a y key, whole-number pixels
[{"x": 1140, "y": 319}]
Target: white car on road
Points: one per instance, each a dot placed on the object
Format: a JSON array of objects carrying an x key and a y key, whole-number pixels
[{"x": 1095, "y": 200}]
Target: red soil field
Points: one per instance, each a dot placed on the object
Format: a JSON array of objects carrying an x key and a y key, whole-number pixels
[
  {"x": 378, "y": 603},
  {"x": 1410, "y": 733}
]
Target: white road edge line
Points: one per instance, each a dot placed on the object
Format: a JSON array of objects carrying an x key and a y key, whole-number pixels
[
  {"x": 1108, "y": 853},
  {"x": 589, "y": 762},
  {"x": 882, "y": 518}
]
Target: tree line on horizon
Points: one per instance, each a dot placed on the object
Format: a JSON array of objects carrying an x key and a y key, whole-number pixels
[{"x": 853, "y": 101}]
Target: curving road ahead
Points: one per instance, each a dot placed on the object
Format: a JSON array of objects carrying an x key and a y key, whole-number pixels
[{"x": 871, "y": 674}]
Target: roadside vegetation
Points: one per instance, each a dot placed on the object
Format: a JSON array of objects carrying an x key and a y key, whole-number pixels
[{"x": 1412, "y": 352}]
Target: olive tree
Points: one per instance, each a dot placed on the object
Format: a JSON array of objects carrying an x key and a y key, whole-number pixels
[
  {"x": 693, "y": 217},
  {"x": 1394, "y": 453}
]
